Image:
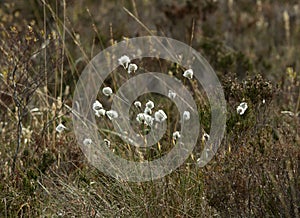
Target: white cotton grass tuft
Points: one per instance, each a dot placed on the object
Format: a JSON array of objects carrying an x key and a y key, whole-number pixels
[
  {"x": 205, "y": 137},
  {"x": 107, "y": 91},
  {"x": 160, "y": 116},
  {"x": 242, "y": 108},
  {"x": 132, "y": 68},
  {"x": 147, "y": 111},
  {"x": 87, "y": 142},
  {"x": 124, "y": 61},
  {"x": 98, "y": 109},
  {"x": 100, "y": 112},
  {"x": 172, "y": 94},
  {"x": 60, "y": 127},
  {"x": 137, "y": 104},
  {"x": 111, "y": 114},
  {"x": 150, "y": 104},
  {"x": 97, "y": 106},
  {"x": 107, "y": 142},
  {"x": 186, "y": 115},
  {"x": 188, "y": 74},
  {"x": 140, "y": 118},
  {"x": 176, "y": 135},
  {"x": 148, "y": 120}
]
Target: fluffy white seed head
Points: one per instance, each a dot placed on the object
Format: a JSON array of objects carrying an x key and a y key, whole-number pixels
[
  {"x": 60, "y": 127},
  {"x": 150, "y": 104},
  {"x": 205, "y": 137},
  {"x": 97, "y": 106},
  {"x": 100, "y": 112},
  {"x": 87, "y": 142},
  {"x": 137, "y": 104},
  {"x": 242, "y": 108},
  {"x": 140, "y": 118},
  {"x": 132, "y": 68},
  {"x": 176, "y": 135},
  {"x": 186, "y": 115},
  {"x": 171, "y": 94},
  {"x": 188, "y": 74},
  {"x": 107, "y": 142},
  {"x": 111, "y": 114},
  {"x": 160, "y": 116},
  {"x": 147, "y": 111},
  {"x": 148, "y": 120},
  {"x": 124, "y": 61},
  {"x": 107, "y": 91}
]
